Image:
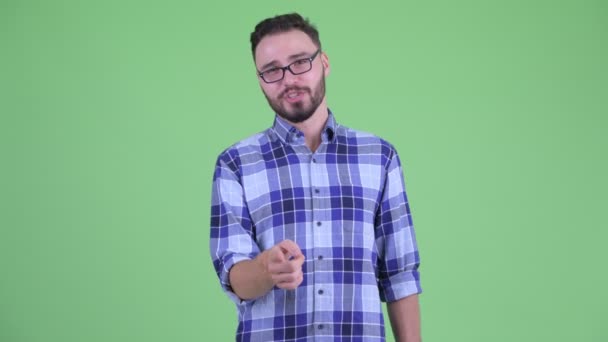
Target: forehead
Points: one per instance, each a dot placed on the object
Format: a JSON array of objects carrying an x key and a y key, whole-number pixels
[{"x": 280, "y": 46}]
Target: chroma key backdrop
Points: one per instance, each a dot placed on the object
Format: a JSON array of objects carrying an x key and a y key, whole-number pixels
[{"x": 112, "y": 114}]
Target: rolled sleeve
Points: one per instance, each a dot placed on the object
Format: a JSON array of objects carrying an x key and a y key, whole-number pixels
[
  {"x": 231, "y": 234},
  {"x": 398, "y": 257}
]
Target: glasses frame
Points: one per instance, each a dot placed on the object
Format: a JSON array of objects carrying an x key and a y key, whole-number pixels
[{"x": 288, "y": 67}]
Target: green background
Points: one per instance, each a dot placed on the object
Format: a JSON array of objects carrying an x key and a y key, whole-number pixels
[{"x": 113, "y": 112}]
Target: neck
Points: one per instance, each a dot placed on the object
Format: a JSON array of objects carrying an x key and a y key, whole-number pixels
[{"x": 313, "y": 126}]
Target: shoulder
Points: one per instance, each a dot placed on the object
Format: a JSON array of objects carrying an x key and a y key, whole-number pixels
[
  {"x": 365, "y": 142},
  {"x": 234, "y": 155}
]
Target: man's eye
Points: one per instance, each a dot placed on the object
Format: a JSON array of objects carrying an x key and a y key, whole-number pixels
[
  {"x": 301, "y": 61},
  {"x": 272, "y": 71}
]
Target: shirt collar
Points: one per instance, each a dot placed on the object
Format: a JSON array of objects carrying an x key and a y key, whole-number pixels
[{"x": 289, "y": 134}]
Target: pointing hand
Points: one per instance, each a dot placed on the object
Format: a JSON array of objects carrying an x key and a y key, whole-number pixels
[{"x": 284, "y": 265}]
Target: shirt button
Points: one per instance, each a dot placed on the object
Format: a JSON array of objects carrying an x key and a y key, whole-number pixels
[
  {"x": 318, "y": 223},
  {"x": 320, "y": 291},
  {"x": 320, "y": 326},
  {"x": 314, "y": 160},
  {"x": 320, "y": 257},
  {"x": 317, "y": 191}
]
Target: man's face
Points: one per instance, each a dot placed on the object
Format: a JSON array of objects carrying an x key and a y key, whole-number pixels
[{"x": 296, "y": 97}]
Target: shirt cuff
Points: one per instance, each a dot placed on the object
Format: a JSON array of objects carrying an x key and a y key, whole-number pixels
[
  {"x": 399, "y": 286},
  {"x": 225, "y": 279}
]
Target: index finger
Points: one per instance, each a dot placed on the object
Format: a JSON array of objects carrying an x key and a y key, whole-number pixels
[{"x": 290, "y": 247}]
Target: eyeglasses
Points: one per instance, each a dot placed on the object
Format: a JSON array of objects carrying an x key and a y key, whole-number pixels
[{"x": 296, "y": 68}]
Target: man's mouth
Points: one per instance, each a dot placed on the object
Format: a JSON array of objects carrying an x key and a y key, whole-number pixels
[{"x": 294, "y": 95}]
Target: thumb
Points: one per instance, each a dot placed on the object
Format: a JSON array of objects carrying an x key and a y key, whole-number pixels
[{"x": 276, "y": 254}]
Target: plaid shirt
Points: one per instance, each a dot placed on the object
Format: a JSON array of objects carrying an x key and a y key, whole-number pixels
[{"x": 344, "y": 205}]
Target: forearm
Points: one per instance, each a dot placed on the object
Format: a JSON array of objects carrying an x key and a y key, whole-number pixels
[
  {"x": 404, "y": 315},
  {"x": 249, "y": 279}
]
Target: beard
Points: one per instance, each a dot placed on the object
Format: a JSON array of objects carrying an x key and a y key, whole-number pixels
[{"x": 302, "y": 110}]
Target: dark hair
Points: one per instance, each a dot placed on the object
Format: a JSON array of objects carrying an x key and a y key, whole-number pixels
[{"x": 283, "y": 23}]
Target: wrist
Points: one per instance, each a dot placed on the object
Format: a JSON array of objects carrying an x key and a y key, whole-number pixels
[{"x": 262, "y": 264}]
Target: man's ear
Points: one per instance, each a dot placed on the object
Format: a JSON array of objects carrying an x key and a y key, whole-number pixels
[{"x": 325, "y": 61}]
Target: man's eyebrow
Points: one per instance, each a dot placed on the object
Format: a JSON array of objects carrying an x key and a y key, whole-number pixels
[
  {"x": 298, "y": 55},
  {"x": 290, "y": 58},
  {"x": 272, "y": 63}
]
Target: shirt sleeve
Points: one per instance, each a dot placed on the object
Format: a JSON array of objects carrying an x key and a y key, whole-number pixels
[
  {"x": 398, "y": 257},
  {"x": 231, "y": 234}
]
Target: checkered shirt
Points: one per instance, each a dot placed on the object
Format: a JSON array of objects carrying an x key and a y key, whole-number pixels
[{"x": 345, "y": 206}]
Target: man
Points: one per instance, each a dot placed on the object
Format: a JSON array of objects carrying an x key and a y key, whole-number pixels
[{"x": 310, "y": 224}]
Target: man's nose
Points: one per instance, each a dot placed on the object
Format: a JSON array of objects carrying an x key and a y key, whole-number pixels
[{"x": 289, "y": 77}]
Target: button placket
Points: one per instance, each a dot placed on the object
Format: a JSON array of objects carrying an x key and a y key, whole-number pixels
[
  {"x": 320, "y": 300},
  {"x": 316, "y": 203}
]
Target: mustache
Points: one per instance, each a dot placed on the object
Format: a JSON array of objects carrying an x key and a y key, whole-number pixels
[{"x": 287, "y": 90}]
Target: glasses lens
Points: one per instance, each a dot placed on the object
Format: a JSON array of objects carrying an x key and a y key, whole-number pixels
[
  {"x": 301, "y": 66},
  {"x": 272, "y": 75}
]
